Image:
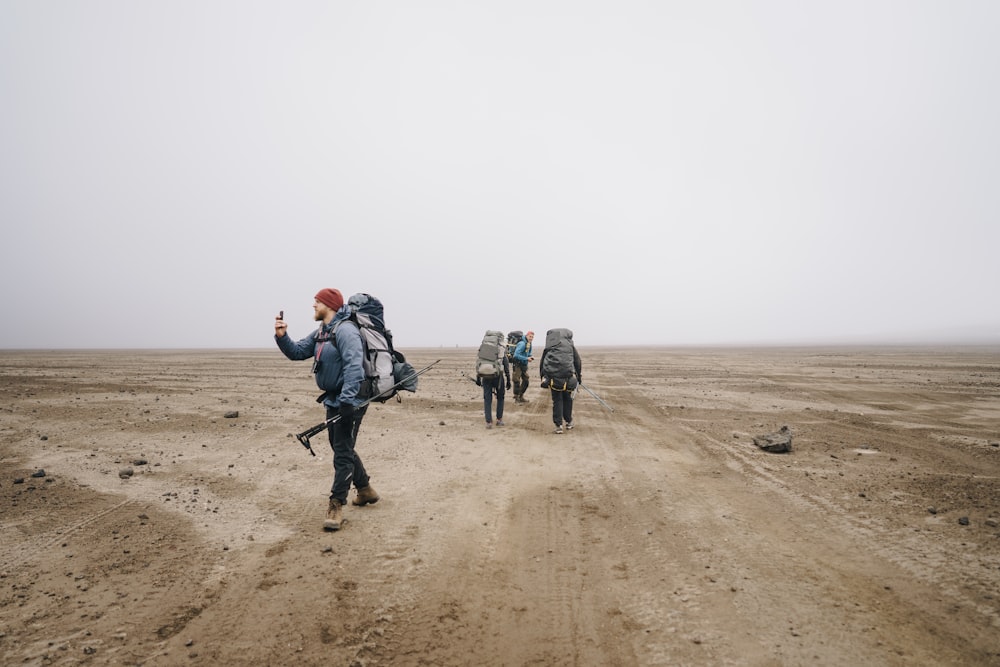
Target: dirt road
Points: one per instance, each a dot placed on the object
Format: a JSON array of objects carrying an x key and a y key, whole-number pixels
[{"x": 165, "y": 533}]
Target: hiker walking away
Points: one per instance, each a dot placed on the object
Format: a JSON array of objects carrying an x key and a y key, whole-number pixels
[
  {"x": 522, "y": 355},
  {"x": 494, "y": 385},
  {"x": 493, "y": 374},
  {"x": 337, "y": 352},
  {"x": 560, "y": 369}
]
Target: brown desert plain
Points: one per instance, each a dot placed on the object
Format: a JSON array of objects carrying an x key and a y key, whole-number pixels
[{"x": 141, "y": 525}]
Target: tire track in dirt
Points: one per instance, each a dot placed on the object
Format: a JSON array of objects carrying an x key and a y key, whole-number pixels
[
  {"x": 658, "y": 566},
  {"x": 542, "y": 566},
  {"x": 923, "y": 560},
  {"x": 484, "y": 569},
  {"x": 702, "y": 511},
  {"x": 439, "y": 547},
  {"x": 18, "y": 551},
  {"x": 867, "y": 571}
]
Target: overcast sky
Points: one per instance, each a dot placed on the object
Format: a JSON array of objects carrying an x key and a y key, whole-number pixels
[{"x": 174, "y": 173}]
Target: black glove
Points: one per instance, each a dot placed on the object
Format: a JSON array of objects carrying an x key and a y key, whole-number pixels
[
  {"x": 508, "y": 384},
  {"x": 579, "y": 378},
  {"x": 479, "y": 382},
  {"x": 545, "y": 383},
  {"x": 346, "y": 412}
]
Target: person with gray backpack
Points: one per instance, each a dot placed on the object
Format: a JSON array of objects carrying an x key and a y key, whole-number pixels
[
  {"x": 560, "y": 369},
  {"x": 492, "y": 368},
  {"x": 338, "y": 351}
]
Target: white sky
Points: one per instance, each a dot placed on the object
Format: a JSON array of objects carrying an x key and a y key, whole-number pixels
[{"x": 174, "y": 173}]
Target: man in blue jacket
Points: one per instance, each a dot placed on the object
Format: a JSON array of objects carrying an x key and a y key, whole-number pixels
[
  {"x": 337, "y": 352},
  {"x": 522, "y": 355}
]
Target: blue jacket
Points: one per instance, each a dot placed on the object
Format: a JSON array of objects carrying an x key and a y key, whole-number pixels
[
  {"x": 522, "y": 351},
  {"x": 339, "y": 367}
]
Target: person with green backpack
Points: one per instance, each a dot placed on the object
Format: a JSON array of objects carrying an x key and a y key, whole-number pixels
[{"x": 338, "y": 354}]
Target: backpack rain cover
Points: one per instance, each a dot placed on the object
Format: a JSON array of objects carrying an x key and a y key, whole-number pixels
[{"x": 558, "y": 362}]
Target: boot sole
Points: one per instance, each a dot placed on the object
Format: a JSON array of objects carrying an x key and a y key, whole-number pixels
[
  {"x": 331, "y": 526},
  {"x": 364, "y": 502}
]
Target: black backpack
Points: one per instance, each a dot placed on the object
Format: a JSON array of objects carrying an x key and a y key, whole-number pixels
[
  {"x": 513, "y": 338},
  {"x": 558, "y": 357},
  {"x": 384, "y": 366}
]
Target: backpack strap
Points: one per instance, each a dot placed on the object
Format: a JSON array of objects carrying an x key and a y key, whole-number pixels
[{"x": 336, "y": 326}]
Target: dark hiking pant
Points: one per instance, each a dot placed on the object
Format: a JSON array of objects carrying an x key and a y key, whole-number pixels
[
  {"x": 562, "y": 407},
  {"x": 347, "y": 466},
  {"x": 491, "y": 385}
]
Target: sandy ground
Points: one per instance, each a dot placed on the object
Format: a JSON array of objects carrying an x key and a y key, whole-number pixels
[{"x": 657, "y": 534}]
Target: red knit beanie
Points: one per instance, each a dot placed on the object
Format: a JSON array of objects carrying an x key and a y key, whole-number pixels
[{"x": 331, "y": 298}]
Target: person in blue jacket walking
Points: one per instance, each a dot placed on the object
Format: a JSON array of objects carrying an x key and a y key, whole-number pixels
[
  {"x": 337, "y": 352},
  {"x": 522, "y": 355}
]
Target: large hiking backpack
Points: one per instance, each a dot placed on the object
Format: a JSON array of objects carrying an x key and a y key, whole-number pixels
[
  {"x": 489, "y": 360},
  {"x": 557, "y": 358},
  {"x": 384, "y": 366},
  {"x": 513, "y": 338}
]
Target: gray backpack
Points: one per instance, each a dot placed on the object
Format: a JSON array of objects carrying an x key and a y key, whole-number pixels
[
  {"x": 489, "y": 361},
  {"x": 384, "y": 366}
]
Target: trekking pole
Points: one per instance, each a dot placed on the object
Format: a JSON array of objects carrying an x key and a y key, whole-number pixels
[
  {"x": 320, "y": 427},
  {"x": 587, "y": 389}
]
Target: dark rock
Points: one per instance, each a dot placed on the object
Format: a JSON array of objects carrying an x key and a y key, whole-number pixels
[
  {"x": 125, "y": 473},
  {"x": 38, "y": 473},
  {"x": 776, "y": 443},
  {"x": 963, "y": 521},
  {"x": 232, "y": 414}
]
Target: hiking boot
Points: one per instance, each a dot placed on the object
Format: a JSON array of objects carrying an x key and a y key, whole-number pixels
[
  {"x": 500, "y": 422},
  {"x": 365, "y": 495},
  {"x": 489, "y": 424},
  {"x": 558, "y": 429},
  {"x": 334, "y": 516},
  {"x": 569, "y": 426}
]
